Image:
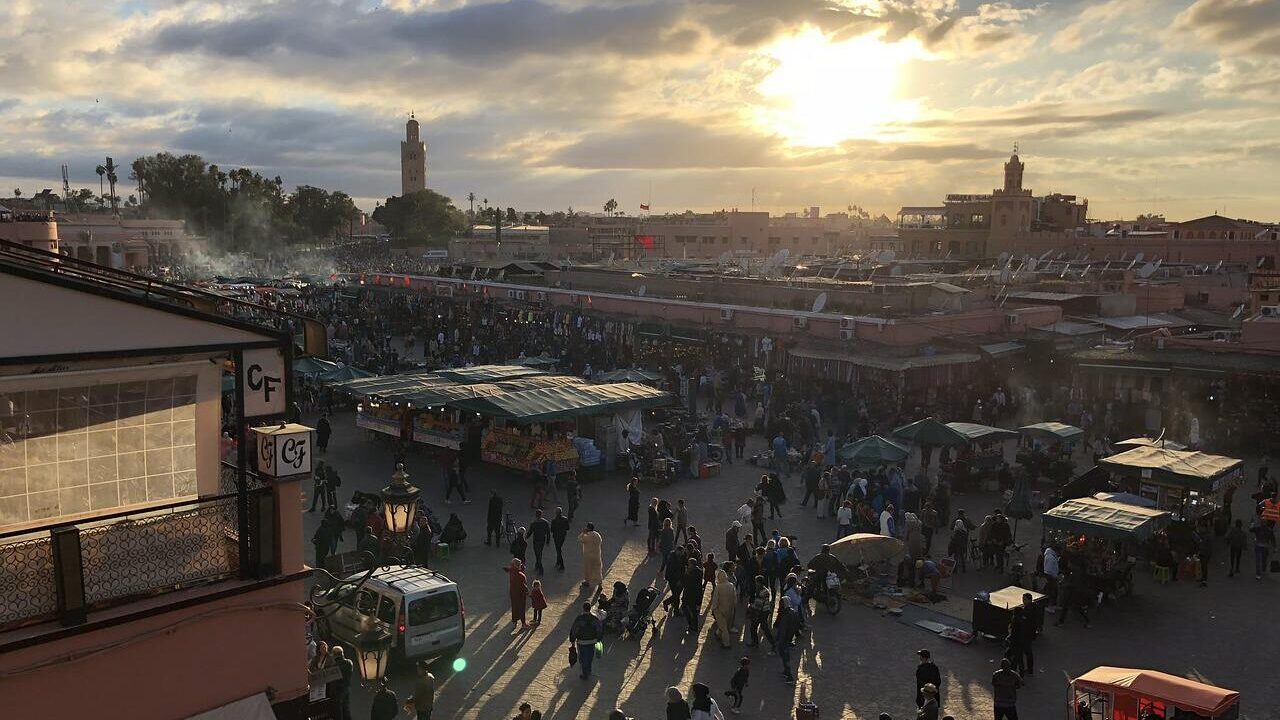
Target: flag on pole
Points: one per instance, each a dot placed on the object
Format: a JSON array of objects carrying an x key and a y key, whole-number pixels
[{"x": 644, "y": 206}]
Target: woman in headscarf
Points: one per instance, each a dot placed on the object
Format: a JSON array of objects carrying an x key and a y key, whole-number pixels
[
  {"x": 915, "y": 536},
  {"x": 704, "y": 706},
  {"x": 724, "y": 606},
  {"x": 592, "y": 561},
  {"x": 518, "y": 588}
]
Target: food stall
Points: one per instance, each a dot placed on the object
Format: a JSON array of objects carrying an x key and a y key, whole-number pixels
[
  {"x": 982, "y": 457},
  {"x": 992, "y": 611},
  {"x": 1112, "y": 693},
  {"x": 1187, "y": 483},
  {"x": 1103, "y": 538},
  {"x": 1047, "y": 448},
  {"x": 525, "y": 449},
  {"x": 386, "y": 418},
  {"x": 439, "y": 426}
]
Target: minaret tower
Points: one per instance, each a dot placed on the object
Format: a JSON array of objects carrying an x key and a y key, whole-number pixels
[{"x": 413, "y": 159}]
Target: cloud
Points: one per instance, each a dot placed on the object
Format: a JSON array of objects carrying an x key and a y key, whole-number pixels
[
  {"x": 1244, "y": 26},
  {"x": 1096, "y": 21},
  {"x": 651, "y": 143},
  {"x": 940, "y": 153},
  {"x": 1047, "y": 115}
]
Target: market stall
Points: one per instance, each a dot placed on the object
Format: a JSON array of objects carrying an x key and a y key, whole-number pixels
[
  {"x": 980, "y": 458},
  {"x": 439, "y": 426},
  {"x": 1188, "y": 483},
  {"x": 872, "y": 451},
  {"x": 1112, "y": 693},
  {"x": 526, "y": 449},
  {"x": 386, "y": 418},
  {"x": 1047, "y": 448},
  {"x": 1102, "y": 539}
]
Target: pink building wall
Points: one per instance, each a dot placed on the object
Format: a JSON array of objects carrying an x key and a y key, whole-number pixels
[{"x": 166, "y": 666}]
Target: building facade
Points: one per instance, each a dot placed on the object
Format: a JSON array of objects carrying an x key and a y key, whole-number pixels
[{"x": 140, "y": 577}]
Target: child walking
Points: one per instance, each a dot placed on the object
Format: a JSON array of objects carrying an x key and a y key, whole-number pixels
[
  {"x": 737, "y": 684},
  {"x": 538, "y": 600}
]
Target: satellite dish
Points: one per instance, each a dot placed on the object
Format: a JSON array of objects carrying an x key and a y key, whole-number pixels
[
  {"x": 641, "y": 290},
  {"x": 1004, "y": 257},
  {"x": 1139, "y": 257},
  {"x": 1005, "y": 276},
  {"x": 1065, "y": 270},
  {"x": 1147, "y": 270},
  {"x": 819, "y": 303},
  {"x": 1159, "y": 262},
  {"x": 1239, "y": 311}
]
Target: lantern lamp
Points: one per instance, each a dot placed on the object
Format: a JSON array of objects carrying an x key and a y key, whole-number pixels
[
  {"x": 373, "y": 651},
  {"x": 399, "y": 501}
]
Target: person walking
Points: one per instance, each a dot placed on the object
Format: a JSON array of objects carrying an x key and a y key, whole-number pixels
[
  {"x": 758, "y": 613},
  {"x": 323, "y": 542},
  {"x": 537, "y": 601},
  {"x": 1075, "y": 596},
  {"x": 786, "y": 628},
  {"x": 493, "y": 521},
  {"x": 1236, "y": 540},
  {"x": 691, "y": 600},
  {"x": 539, "y": 533},
  {"x": 332, "y": 481},
  {"x": 929, "y": 709},
  {"x": 323, "y": 431},
  {"x": 317, "y": 488},
  {"x": 385, "y": 703},
  {"x": 520, "y": 545},
  {"x": 1204, "y": 552},
  {"x": 584, "y": 633},
  {"x": 572, "y": 494},
  {"x": 654, "y": 525},
  {"x": 677, "y": 706},
  {"x": 1264, "y": 539},
  {"x": 773, "y": 491},
  {"x": 559, "y": 531},
  {"x": 518, "y": 591},
  {"x": 926, "y": 673},
  {"x": 633, "y": 503},
  {"x": 454, "y": 484},
  {"x": 738, "y": 685},
  {"x": 342, "y": 687},
  {"x": 844, "y": 519},
  {"x": 821, "y": 493},
  {"x": 424, "y": 692},
  {"x": 674, "y": 575},
  {"x": 1022, "y": 632},
  {"x": 682, "y": 521},
  {"x": 592, "y": 561},
  {"x": 811, "y": 475},
  {"x": 1004, "y": 686},
  {"x": 757, "y": 520},
  {"x": 724, "y": 607},
  {"x": 731, "y": 540},
  {"x": 666, "y": 543},
  {"x": 703, "y": 706}
]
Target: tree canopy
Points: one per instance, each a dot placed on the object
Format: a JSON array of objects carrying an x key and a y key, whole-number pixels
[
  {"x": 419, "y": 218},
  {"x": 239, "y": 208}
]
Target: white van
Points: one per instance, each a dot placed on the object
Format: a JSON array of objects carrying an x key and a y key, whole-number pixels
[{"x": 422, "y": 607}]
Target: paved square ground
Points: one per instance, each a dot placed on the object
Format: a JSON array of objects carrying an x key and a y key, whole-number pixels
[{"x": 853, "y": 665}]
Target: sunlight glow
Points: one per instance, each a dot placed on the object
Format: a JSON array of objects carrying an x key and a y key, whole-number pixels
[{"x": 820, "y": 93}]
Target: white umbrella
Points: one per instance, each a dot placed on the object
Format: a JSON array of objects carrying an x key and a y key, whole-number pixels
[{"x": 867, "y": 548}]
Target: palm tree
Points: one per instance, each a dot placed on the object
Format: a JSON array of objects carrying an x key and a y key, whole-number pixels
[
  {"x": 17, "y": 192},
  {"x": 610, "y": 206},
  {"x": 111, "y": 182},
  {"x": 471, "y": 198},
  {"x": 101, "y": 172}
]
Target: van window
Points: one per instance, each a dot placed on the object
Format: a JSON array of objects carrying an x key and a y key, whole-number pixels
[
  {"x": 433, "y": 607},
  {"x": 387, "y": 611},
  {"x": 367, "y": 602}
]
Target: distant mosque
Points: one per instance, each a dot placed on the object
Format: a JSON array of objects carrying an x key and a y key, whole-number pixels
[{"x": 413, "y": 160}]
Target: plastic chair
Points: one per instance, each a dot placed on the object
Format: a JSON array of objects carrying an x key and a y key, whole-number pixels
[
  {"x": 947, "y": 568},
  {"x": 1161, "y": 573}
]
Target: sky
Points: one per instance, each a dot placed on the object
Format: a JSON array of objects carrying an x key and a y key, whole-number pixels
[{"x": 1141, "y": 106}]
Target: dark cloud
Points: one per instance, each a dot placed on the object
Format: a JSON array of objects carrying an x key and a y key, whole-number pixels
[
  {"x": 1245, "y": 26},
  {"x": 656, "y": 143}
]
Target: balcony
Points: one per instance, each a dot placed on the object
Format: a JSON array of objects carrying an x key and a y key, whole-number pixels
[{"x": 66, "y": 572}]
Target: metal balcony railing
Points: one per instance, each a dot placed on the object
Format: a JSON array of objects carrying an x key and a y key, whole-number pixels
[{"x": 67, "y": 571}]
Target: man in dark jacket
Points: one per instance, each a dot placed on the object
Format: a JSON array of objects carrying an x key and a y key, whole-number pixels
[
  {"x": 691, "y": 601},
  {"x": 342, "y": 687},
  {"x": 585, "y": 632},
  {"x": 1004, "y": 685},
  {"x": 559, "y": 531},
  {"x": 493, "y": 526},
  {"x": 385, "y": 704},
  {"x": 785, "y": 630},
  {"x": 540, "y": 533},
  {"x": 323, "y": 431},
  {"x": 926, "y": 673},
  {"x": 999, "y": 537}
]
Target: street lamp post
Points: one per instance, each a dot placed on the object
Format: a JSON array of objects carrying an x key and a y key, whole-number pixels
[
  {"x": 373, "y": 651},
  {"x": 399, "y": 505}
]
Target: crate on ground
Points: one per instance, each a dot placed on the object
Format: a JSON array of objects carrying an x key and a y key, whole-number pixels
[{"x": 709, "y": 469}]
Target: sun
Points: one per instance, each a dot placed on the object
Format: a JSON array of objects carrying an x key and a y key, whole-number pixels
[{"x": 820, "y": 93}]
